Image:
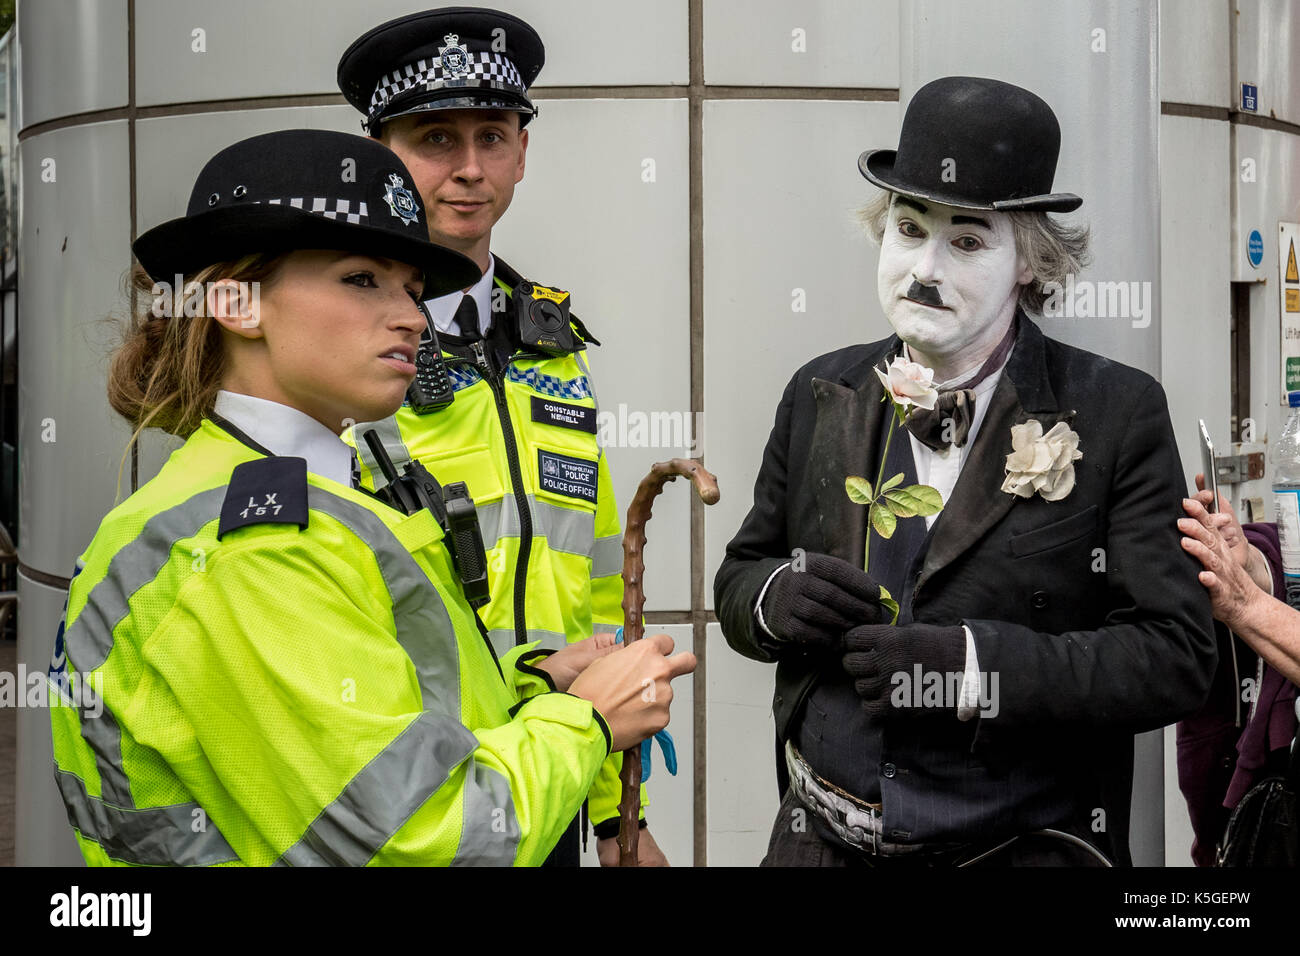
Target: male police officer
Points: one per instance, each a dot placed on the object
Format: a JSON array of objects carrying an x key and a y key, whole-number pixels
[{"x": 515, "y": 416}]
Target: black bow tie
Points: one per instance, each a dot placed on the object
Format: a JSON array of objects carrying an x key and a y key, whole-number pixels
[{"x": 948, "y": 423}]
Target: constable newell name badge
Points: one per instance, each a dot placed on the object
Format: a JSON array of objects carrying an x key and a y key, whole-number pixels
[
  {"x": 551, "y": 412},
  {"x": 562, "y": 475},
  {"x": 265, "y": 491}
]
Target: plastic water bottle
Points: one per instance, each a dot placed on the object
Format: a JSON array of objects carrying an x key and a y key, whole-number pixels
[{"x": 1286, "y": 498}]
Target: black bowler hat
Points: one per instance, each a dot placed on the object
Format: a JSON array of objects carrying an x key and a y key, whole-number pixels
[
  {"x": 303, "y": 189},
  {"x": 450, "y": 58},
  {"x": 976, "y": 143}
]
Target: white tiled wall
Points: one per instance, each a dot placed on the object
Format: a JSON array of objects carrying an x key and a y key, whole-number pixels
[
  {"x": 254, "y": 48},
  {"x": 787, "y": 43},
  {"x": 73, "y": 58},
  {"x": 74, "y": 257},
  {"x": 742, "y": 796},
  {"x": 788, "y": 273}
]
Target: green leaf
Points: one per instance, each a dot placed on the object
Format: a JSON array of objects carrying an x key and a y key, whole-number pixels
[
  {"x": 883, "y": 520},
  {"x": 889, "y": 604},
  {"x": 891, "y": 482},
  {"x": 914, "y": 500},
  {"x": 859, "y": 490}
]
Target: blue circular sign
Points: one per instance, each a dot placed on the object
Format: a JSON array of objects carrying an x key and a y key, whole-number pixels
[{"x": 1255, "y": 248}]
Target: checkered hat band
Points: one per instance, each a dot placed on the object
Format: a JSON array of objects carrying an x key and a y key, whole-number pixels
[
  {"x": 482, "y": 69},
  {"x": 345, "y": 209}
]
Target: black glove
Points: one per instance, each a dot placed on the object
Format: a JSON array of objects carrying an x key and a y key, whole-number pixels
[
  {"x": 815, "y": 606},
  {"x": 875, "y": 653}
]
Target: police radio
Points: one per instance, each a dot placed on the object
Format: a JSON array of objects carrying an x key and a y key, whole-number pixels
[
  {"x": 431, "y": 389},
  {"x": 543, "y": 319},
  {"x": 416, "y": 490}
]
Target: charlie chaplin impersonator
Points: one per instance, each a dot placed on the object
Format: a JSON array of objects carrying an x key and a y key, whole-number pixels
[{"x": 1046, "y": 614}]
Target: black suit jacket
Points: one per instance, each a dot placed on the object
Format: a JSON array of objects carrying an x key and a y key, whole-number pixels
[{"x": 1087, "y": 608}]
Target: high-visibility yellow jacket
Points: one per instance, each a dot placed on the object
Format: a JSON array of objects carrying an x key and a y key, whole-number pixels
[
  {"x": 309, "y": 692},
  {"x": 524, "y": 441}
]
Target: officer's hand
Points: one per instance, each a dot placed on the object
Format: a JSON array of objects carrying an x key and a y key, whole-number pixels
[
  {"x": 567, "y": 663},
  {"x": 647, "y": 851},
  {"x": 630, "y": 687},
  {"x": 815, "y": 606},
  {"x": 874, "y": 654}
]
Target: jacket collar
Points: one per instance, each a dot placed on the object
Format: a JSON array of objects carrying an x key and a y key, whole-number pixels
[{"x": 847, "y": 435}]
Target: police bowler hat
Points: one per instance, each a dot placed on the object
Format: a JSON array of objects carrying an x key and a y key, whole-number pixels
[
  {"x": 303, "y": 189},
  {"x": 976, "y": 143},
  {"x": 450, "y": 58}
]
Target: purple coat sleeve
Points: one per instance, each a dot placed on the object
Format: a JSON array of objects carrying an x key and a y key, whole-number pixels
[{"x": 1218, "y": 758}]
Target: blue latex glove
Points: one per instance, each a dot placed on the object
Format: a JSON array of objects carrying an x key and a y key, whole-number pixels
[
  {"x": 670, "y": 754},
  {"x": 664, "y": 737}
]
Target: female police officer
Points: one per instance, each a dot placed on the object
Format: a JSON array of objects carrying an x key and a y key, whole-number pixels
[{"x": 287, "y": 669}]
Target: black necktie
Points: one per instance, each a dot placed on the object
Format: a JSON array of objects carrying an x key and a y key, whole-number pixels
[
  {"x": 467, "y": 318},
  {"x": 356, "y": 470}
]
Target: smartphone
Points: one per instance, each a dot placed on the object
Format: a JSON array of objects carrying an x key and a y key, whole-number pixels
[{"x": 1207, "y": 465}]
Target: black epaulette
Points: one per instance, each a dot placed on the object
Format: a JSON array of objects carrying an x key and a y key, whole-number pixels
[{"x": 265, "y": 491}]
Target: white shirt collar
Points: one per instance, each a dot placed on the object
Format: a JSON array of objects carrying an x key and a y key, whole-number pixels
[
  {"x": 443, "y": 309},
  {"x": 288, "y": 432}
]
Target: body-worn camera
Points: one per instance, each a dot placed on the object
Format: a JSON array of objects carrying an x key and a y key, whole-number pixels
[{"x": 543, "y": 319}]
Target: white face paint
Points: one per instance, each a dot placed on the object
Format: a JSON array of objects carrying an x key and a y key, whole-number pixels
[{"x": 970, "y": 266}]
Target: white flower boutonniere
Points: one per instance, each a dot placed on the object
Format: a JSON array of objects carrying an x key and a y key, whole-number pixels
[{"x": 1042, "y": 463}]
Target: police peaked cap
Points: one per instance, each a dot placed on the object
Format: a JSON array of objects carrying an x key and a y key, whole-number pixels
[
  {"x": 303, "y": 189},
  {"x": 976, "y": 143},
  {"x": 450, "y": 58}
]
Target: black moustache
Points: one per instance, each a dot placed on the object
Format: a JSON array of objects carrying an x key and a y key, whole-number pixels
[{"x": 925, "y": 294}]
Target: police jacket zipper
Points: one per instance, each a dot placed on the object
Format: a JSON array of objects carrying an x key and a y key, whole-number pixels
[{"x": 517, "y": 483}]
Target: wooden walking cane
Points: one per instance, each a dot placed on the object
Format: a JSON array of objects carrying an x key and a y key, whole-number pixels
[{"x": 638, "y": 513}]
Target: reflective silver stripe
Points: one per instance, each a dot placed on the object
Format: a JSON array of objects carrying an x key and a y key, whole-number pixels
[
  {"x": 503, "y": 639},
  {"x": 384, "y": 794},
  {"x": 489, "y": 835},
  {"x": 89, "y": 639},
  {"x": 105, "y": 739},
  {"x": 420, "y": 619},
  {"x": 391, "y": 437},
  {"x": 607, "y": 556},
  {"x": 591, "y": 382},
  {"x": 157, "y": 836},
  {"x": 566, "y": 530},
  {"x": 423, "y": 629}
]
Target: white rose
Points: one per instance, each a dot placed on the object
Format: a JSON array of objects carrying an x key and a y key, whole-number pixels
[
  {"x": 1042, "y": 464},
  {"x": 909, "y": 383}
]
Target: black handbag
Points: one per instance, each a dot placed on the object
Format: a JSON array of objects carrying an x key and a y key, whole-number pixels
[{"x": 1264, "y": 828}]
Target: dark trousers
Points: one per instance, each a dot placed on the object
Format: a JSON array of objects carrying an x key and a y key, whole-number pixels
[
  {"x": 797, "y": 841},
  {"x": 568, "y": 852}
]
